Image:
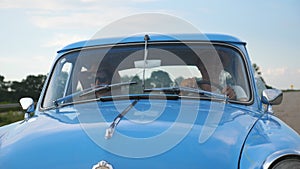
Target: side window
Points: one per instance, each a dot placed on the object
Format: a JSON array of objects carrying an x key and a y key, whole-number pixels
[
  {"x": 64, "y": 78},
  {"x": 260, "y": 85},
  {"x": 59, "y": 83}
]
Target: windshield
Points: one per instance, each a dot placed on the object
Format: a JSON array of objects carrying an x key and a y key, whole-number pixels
[{"x": 88, "y": 74}]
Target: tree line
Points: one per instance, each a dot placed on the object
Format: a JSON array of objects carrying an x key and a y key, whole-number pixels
[
  {"x": 31, "y": 86},
  {"x": 12, "y": 91}
]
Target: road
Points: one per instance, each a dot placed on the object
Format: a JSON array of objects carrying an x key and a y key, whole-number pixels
[
  {"x": 289, "y": 109},
  {"x": 9, "y": 105}
]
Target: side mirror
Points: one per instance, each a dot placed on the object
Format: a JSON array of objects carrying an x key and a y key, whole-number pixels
[
  {"x": 272, "y": 96},
  {"x": 27, "y": 105}
]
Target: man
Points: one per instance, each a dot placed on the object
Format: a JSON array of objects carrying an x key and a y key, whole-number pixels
[{"x": 215, "y": 76}]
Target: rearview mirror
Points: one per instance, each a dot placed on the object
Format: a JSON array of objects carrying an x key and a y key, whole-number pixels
[{"x": 147, "y": 63}]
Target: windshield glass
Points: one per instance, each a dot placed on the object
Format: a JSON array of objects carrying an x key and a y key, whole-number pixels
[{"x": 124, "y": 70}]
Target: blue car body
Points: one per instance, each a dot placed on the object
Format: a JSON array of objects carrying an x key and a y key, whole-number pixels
[{"x": 72, "y": 136}]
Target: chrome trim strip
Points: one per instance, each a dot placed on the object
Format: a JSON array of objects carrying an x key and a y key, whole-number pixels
[{"x": 275, "y": 156}]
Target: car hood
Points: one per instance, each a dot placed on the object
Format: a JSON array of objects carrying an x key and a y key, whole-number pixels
[{"x": 152, "y": 134}]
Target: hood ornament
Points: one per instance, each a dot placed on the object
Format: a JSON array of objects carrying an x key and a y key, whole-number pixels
[{"x": 102, "y": 165}]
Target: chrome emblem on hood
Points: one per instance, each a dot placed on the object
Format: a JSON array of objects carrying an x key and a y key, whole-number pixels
[{"x": 102, "y": 165}]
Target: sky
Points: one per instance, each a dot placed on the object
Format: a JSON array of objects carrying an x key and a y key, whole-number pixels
[{"x": 32, "y": 31}]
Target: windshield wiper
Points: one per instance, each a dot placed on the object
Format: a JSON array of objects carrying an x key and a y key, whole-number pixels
[
  {"x": 91, "y": 90},
  {"x": 111, "y": 129},
  {"x": 177, "y": 90},
  {"x": 106, "y": 87}
]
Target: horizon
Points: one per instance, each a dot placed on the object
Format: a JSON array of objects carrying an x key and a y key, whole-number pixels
[{"x": 36, "y": 30}]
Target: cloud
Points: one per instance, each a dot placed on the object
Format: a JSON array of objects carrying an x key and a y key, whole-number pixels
[
  {"x": 70, "y": 14},
  {"x": 275, "y": 71},
  {"x": 283, "y": 71},
  {"x": 17, "y": 68},
  {"x": 146, "y": 23},
  {"x": 60, "y": 40},
  {"x": 282, "y": 77},
  {"x": 69, "y": 5},
  {"x": 32, "y": 4},
  {"x": 77, "y": 20}
]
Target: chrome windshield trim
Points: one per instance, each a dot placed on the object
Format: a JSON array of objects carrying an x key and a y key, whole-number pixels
[{"x": 242, "y": 54}]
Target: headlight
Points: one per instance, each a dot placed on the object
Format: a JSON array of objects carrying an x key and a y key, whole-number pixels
[{"x": 287, "y": 163}]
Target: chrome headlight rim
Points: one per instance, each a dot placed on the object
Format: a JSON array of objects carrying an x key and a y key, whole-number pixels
[{"x": 280, "y": 156}]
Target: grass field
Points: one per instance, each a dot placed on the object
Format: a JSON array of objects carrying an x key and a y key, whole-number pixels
[{"x": 10, "y": 117}]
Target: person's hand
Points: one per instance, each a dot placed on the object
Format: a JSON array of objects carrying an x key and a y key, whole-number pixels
[{"x": 229, "y": 92}]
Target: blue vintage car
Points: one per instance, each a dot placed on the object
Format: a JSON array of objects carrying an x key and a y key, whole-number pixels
[{"x": 151, "y": 101}]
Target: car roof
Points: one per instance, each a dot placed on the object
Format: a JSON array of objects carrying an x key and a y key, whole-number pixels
[{"x": 153, "y": 38}]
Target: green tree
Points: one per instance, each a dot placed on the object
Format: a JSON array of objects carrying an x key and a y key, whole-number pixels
[
  {"x": 4, "y": 94},
  {"x": 3, "y": 84},
  {"x": 29, "y": 87},
  {"x": 134, "y": 89},
  {"x": 160, "y": 79},
  {"x": 256, "y": 69},
  {"x": 258, "y": 74}
]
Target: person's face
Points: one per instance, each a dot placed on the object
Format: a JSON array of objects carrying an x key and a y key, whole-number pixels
[{"x": 101, "y": 78}]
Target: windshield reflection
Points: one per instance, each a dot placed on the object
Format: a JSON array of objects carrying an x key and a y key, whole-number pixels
[{"x": 213, "y": 68}]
